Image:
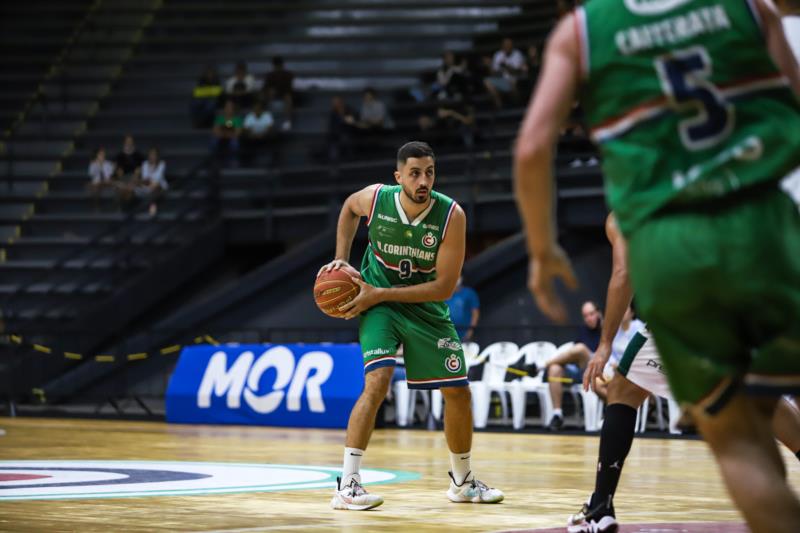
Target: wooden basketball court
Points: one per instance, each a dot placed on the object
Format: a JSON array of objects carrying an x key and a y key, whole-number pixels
[{"x": 545, "y": 479}]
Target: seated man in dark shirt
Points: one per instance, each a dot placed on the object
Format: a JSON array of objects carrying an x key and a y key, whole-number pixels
[
  {"x": 570, "y": 363},
  {"x": 278, "y": 89},
  {"x": 128, "y": 162}
]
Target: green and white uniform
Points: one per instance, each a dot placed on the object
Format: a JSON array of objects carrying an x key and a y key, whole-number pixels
[
  {"x": 403, "y": 252},
  {"x": 698, "y": 127}
]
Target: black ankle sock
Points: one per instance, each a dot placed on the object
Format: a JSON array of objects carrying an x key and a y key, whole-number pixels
[{"x": 616, "y": 438}]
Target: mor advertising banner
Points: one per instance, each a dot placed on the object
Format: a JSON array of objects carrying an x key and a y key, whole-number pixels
[{"x": 308, "y": 385}]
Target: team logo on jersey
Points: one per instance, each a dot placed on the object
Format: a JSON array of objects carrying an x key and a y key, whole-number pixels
[
  {"x": 652, "y": 7},
  {"x": 453, "y": 363},
  {"x": 429, "y": 240}
]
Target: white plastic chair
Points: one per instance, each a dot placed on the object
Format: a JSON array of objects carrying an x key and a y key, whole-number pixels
[
  {"x": 471, "y": 354},
  {"x": 405, "y": 401},
  {"x": 498, "y": 357},
  {"x": 539, "y": 353}
]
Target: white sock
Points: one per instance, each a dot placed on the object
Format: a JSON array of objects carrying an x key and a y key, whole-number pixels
[
  {"x": 459, "y": 465},
  {"x": 558, "y": 412},
  {"x": 352, "y": 464}
]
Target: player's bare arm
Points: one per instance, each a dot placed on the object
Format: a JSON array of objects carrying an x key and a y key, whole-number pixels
[
  {"x": 449, "y": 261},
  {"x": 618, "y": 298},
  {"x": 778, "y": 46},
  {"x": 533, "y": 159},
  {"x": 356, "y": 206}
]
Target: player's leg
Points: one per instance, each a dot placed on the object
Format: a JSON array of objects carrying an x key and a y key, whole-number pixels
[
  {"x": 434, "y": 359},
  {"x": 743, "y": 443},
  {"x": 379, "y": 342},
  {"x": 706, "y": 321},
  {"x": 616, "y": 436},
  {"x": 786, "y": 425}
]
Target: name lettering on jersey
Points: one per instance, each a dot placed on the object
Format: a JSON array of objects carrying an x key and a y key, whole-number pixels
[
  {"x": 434, "y": 227},
  {"x": 673, "y": 30},
  {"x": 652, "y": 7},
  {"x": 448, "y": 343},
  {"x": 405, "y": 251},
  {"x": 387, "y": 218}
]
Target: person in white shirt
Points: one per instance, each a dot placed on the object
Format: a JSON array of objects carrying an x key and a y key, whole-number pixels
[
  {"x": 241, "y": 87},
  {"x": 257, "y": 132},
  {"x": 150, "y": 184},
  {"x": 508, "y": 64},
  {"x": 629, "y": 326},
  {"x": 101, "y": 175}
]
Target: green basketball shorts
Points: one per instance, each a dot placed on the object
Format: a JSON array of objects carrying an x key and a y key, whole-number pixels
[
  {"x": 431, "y": 350},
  {"x": 719, "y": 286}
]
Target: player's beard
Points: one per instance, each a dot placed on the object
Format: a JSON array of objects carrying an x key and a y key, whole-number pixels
[{"x": 419, "y": 196}]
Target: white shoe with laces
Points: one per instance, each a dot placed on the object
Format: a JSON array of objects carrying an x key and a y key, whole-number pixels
[
  {"x": 353, "y": 497},
  {"x": 472, "y": 491}
]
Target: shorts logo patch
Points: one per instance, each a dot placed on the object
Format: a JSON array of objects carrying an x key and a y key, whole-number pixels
[
  {"x": 453, "y": 363},
  {"x": 429, "y": 240},
  {"x": 448, "y": 343}
]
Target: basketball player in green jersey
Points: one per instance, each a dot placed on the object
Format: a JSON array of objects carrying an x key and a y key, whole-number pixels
[
  {"x": 692, "y": 105},
  {"x": 638, "y": 375},
  {"x": 411, "y": 266}
]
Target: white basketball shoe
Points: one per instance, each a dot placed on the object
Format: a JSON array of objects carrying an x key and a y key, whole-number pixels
[
  {"x": 353, "y": 497},
  {"x": 472, "y": 491}
]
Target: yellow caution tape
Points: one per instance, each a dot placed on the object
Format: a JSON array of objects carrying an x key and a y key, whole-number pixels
[
  {"x": 73, "y": 356},
  {"x": 137, "y": 356},
  {"x": 43, "y": 349},
  {"x": 104, "y": 358},
  {"x": 170, "y": 349}
]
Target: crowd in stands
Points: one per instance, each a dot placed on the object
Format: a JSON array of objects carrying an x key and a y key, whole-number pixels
[
  {"x": 130, "y": 176},
  {"x": 249, "y": 117}
]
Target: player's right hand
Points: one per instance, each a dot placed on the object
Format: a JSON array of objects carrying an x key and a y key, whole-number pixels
[
  {"x": 543, "y": 270},
  {"x": 336, "y": 264},
  {"x": 597, "y": 364}
]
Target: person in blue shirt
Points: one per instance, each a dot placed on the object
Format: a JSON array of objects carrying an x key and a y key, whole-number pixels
[
  {"x": 570, "y": 363},
  {"x": 465, "y": 310}
]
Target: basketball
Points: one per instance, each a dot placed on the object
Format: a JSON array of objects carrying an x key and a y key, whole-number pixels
[{"x": 335, "y": 288}]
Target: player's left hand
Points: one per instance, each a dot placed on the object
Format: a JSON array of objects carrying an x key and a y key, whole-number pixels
[
  {"x": 543, "y": 270},
  {"x": 367, "y": 297}
]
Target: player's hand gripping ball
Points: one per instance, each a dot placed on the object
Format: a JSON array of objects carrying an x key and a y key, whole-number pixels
[{"x": 334, "y": 288}]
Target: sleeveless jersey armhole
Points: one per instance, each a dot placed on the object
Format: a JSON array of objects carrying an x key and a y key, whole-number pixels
[{"x": 374, "y": 204}]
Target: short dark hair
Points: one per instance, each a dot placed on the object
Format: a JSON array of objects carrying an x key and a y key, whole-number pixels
[
  {"x": 414, "y": 149},
  {"x": 277, "y": 61}
]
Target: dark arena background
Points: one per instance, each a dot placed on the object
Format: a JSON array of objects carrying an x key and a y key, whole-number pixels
[{"x": 171, "y": 175}]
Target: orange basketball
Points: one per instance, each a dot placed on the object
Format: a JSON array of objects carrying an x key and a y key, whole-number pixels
[{"x": 334, "y": 289}]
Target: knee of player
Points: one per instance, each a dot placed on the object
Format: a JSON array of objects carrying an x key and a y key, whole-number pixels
[
  {"x": 620, "y": 390},
  {"x": 456, "y": 394},
  {"x": 376, "y": 383},
  {"x": 555, "y": 370}
]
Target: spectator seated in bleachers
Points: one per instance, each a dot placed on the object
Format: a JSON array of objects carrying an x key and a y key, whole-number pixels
[
  {"x": 258, "y": 134},
  {"x": 341, "y": 129},
  {"x": 205, "y": 98},
  {"x": 508, "y": 65},
  {"x": 569, "y": 364},
  {"x": 373, "y": 116},
  {"x": 533, "y": 65},
  {"x": 454, "y": 123},
  {"x": 150, "y": 184},
  {"x": 278, "y": 91},
  {"x": 451, "y": 79},
  {"x": 101, "y": 174},
  {"x": 128, "y": 162},
  {"x": 241, "y": 87},
  {"x": 226, "y": 134}
]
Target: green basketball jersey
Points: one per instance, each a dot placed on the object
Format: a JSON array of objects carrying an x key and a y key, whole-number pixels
[
  {"x": 403, "y": 252},
  {"x": 684, "y": 101}
]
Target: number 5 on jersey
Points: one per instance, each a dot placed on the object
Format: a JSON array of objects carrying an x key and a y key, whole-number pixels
[{"x": 684, "y": 78}]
